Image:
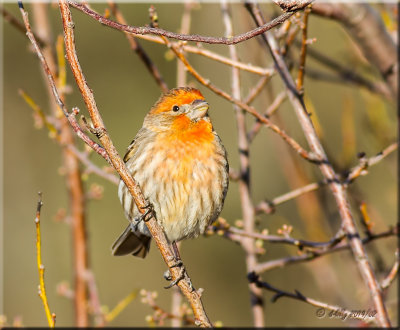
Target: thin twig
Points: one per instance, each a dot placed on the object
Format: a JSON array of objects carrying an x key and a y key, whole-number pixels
[
  {"x": 70, "y": 116},
  {"x": 203, "y": 52},
  {"x": 268, "y": 207},
  {"x": 193, "y": 37},
  {"x": 138, "y": 49},
  {"x": 254, "y": 278},
  {"x": 10, "y": 18},
  {"x": 51, "y": 317},
  {"x": 121, "y": 306},
  {"x": 99, "y": 317},
  {"x": 160, "y": 313},
  {"x": 365, "y": 163},
  {"x": 274, "y": 106},
  {"x": 299, "y": 243},
  {"x": 92, "y": 167},
  {"x": 257, "y": 304},
  {"x": 311, "y": 255},
  {"x": 388, "y": 280},
  {"x": 256, "y": 90},
  {"x": 82, "y": 156}
]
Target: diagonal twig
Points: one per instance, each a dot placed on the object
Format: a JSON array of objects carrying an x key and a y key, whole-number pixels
[{"x": 192, "y": 37}]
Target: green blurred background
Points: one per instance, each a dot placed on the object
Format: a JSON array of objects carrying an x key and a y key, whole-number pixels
[{"x": 124, "y": 92}]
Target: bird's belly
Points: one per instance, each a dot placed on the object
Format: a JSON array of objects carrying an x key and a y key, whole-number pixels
[
  {"x": 186, "y": 186},
  {"x": 190, "y": 198}
]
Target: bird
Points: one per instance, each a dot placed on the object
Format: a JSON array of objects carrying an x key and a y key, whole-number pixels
[{"x": 182, "y": 168}]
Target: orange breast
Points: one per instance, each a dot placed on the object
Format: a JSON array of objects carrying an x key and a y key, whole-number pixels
[{"x": 186, "y": 143}]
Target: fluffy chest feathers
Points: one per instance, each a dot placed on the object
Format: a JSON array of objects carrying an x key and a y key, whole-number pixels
[{"x": 186, "y": 147}]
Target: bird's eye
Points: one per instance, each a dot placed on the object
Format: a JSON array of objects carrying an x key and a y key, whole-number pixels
[{"x": 175, "y": 108}]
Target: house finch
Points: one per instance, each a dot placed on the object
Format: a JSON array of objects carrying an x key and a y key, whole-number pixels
[{"x": 181, "y": 166}]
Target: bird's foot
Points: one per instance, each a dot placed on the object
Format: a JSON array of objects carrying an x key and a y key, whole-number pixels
[{"x": 146, "y": 216}]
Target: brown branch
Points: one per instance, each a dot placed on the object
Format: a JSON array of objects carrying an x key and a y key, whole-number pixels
[
  {"x": 257, "y": 304},
  {"x": 51, "y": 317},
  {"x": 214, "y": 56},
  {"x": 299, "y": 243},
  {"x": 388, "y": 280},
  {"x": 311, "y": 255},
  {"x": 193, "y": 37},
  {"x": 206, "y": 53},
  {"x": 256, "y": 90},
  {"x": 254, "y": 278},
  {"x": 138, "y": 49},
  {"x": 92, "y": 167},
  {"x": 338, "y": 190},
  {"x": 133, "y": 187},
  {"x": 365, "y": 163},
  {"x": 274, "y": 106},
  {"x": 268, "y": 207},
  {"x": 10, "y": 18}
]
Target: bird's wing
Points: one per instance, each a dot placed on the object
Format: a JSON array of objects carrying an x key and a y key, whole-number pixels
[{"x": 135, "y": 143}]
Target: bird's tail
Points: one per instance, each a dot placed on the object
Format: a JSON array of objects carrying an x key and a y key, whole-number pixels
[{"x": 131, "y": 242}]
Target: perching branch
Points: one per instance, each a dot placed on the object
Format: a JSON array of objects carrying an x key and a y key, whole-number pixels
[{"x": 118, "y": 164}]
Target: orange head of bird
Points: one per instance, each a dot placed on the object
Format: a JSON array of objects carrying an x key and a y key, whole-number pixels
[{"x": 179, "y": 108}]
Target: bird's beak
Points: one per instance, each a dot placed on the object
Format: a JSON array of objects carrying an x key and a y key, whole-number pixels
[{"x": 199, "y": 110}]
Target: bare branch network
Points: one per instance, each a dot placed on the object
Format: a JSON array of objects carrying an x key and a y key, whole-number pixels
[{"x": 285, "y": 38}]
